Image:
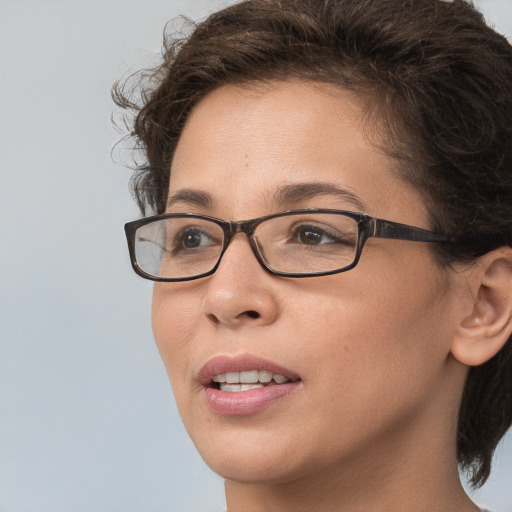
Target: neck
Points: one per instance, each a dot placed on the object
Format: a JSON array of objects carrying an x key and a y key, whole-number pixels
[
  {"x": 370, "y": 488},
  {"x": 412, "y": 470}
]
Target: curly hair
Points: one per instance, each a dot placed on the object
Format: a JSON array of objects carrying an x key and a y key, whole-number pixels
[{"x": 434, "y": 78}]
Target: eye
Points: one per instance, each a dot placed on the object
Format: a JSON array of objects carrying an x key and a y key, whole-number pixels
[
  {"x": 311, "y": 234},
  {"x": 193, "y": 238}
]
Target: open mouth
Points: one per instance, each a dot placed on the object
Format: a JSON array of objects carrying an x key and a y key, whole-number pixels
[
  {"x": 236, "y": 382},
  {"x": 245, "y": 384}
]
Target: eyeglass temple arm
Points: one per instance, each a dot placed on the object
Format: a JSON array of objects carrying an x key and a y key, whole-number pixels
[{"x": 397, "y": 231}]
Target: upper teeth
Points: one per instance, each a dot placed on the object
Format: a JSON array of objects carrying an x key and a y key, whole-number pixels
[{"x": 250, "y": 377}]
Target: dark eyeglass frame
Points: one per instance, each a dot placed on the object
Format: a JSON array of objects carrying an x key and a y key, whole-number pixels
[{"x": 368, "y": 227}]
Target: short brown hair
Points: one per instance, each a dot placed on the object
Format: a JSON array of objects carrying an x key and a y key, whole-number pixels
[{"x": 440, "y": 81}]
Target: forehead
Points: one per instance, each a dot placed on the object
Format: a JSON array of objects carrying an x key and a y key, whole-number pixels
[
  {"x": 245, "y": 142},
  {"x": 278, "y": 116}
]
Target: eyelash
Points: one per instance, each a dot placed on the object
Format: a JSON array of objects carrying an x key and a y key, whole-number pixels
[{"x": 322, "y": 231}]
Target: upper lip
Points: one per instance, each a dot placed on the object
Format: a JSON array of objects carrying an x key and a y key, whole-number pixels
[{"x": 239, "y": 363}]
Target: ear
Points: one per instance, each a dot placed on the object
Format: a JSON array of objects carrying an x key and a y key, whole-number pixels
[{"x": 485, "y": 329}]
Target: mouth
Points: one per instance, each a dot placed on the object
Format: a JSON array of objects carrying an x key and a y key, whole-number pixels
[
  {"x": 236, "y": 382},
  {"x": 245, "y": 384}
]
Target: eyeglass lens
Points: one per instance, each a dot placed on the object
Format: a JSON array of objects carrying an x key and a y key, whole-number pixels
[{"x": 310, "y": 242}]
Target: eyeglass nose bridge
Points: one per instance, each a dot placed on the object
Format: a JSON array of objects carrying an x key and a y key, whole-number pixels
[
  {"x": 240, "y": 226},
  {"x": 234, "y": 227}
]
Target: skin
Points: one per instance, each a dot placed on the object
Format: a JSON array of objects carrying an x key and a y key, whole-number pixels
[{"x": 371, "y": 427}]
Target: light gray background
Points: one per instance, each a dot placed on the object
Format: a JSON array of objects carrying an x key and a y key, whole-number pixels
[{"x": 87, "y": 421}]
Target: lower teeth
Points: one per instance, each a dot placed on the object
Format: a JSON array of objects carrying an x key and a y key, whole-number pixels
[{"x": 239, "y": 387}]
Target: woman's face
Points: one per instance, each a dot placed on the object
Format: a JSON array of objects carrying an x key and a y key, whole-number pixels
[{"x": 366, "y": 351}]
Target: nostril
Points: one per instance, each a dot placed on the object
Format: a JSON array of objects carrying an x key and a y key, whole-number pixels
[
  {"x": 212, "y": 318},
  {"x": 250, "y": 313}
]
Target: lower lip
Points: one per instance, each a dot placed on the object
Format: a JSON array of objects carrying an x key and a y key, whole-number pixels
[{"x": 246, "y": 402}]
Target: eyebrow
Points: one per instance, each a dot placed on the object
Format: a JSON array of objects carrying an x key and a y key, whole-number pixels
[
  {"x": 285, "y": 195},
  {"x": 192, "y": 197},
  {"x": 294, "y": 193}
]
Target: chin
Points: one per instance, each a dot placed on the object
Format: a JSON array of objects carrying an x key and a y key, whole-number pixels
[
  {"x": 251, "y": 456},
  {"x": 254, "y": 471}
]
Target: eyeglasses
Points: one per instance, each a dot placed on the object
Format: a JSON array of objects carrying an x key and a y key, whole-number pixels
[{"x": 295, "y": 243}]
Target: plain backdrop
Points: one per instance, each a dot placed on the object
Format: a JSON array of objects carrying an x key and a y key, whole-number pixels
[{"x": 87, "y": 420}]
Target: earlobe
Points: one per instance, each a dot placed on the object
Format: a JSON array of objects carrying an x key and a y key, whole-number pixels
[{"x": 487, "y": 324}]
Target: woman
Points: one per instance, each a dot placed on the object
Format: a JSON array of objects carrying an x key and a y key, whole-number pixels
[{"x": 347, "y": 347}]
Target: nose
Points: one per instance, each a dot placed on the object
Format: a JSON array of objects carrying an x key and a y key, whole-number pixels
[{"x": 241, "y": 291}]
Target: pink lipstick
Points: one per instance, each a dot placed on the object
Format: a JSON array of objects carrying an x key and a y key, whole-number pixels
[{"x": 244, "y": 384}]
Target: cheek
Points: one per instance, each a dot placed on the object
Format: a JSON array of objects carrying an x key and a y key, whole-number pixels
[
  {"x": 174, "y": 318},
  {"x": 381, "y": 334}
]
